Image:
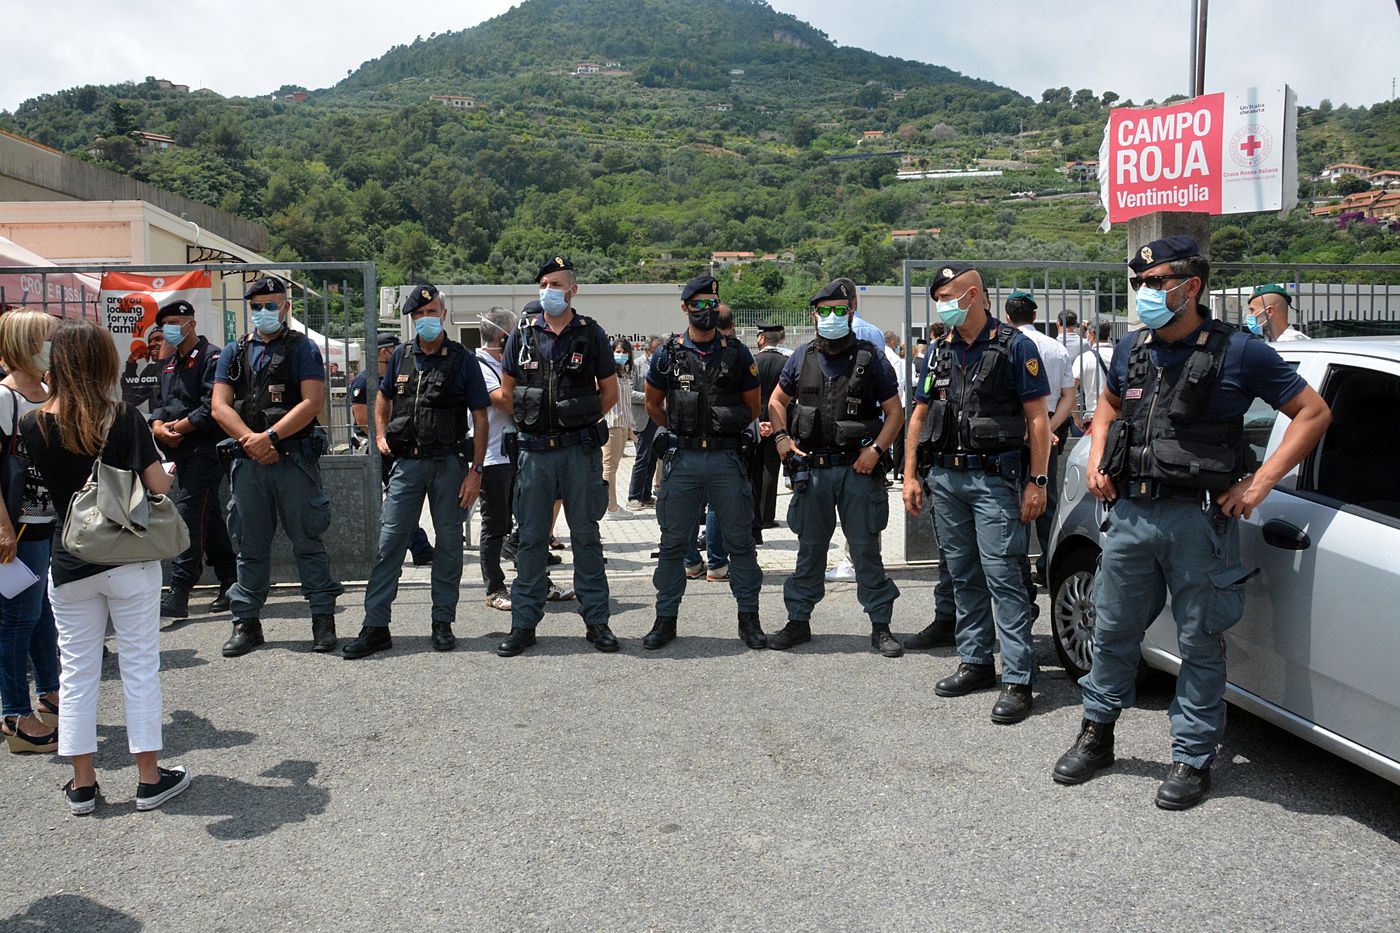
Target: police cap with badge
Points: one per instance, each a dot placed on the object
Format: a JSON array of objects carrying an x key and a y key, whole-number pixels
[
  {"x": 1167, "y": 249},
  {"x": 265, "y": 285},
  {"x": 554, "y": 264},
  {"x": 835, "y": 289},
  {"x": 947, "y": 273},
  {"x": 421, "y": 295},
  {"x": 177, "y": 308},
  {"x": 700, "y": 285}
]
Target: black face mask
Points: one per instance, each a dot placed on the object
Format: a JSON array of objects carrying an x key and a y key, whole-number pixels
[
  {"x": 835, "y": 347},
  {"x": 703, "y": 320}
]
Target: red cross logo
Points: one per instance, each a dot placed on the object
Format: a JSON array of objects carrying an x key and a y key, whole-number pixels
[{"x": 1250, "y": 146}]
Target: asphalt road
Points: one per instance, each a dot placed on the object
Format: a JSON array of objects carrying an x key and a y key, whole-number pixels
[{"x": 701, "y": 787}]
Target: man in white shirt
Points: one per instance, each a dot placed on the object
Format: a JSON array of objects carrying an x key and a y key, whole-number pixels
[
  {"x": 1090, "y": 370},
  {"x": 498, "y": 471},
  {"x": 1020, "y": 311},
  {"x": 897, "y": 361},
  {"x": 1268, "y": 314},
  {"x": 1070, "y": 336}
]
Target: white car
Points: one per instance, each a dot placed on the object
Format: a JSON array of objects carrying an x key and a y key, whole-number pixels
[{"x": 1317, "y": 652}]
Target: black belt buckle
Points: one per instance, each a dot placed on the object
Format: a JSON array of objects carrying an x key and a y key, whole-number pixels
[{"x": 960, "y": 462}]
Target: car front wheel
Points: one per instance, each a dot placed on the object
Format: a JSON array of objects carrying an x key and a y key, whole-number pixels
[{"x": 1072, "y": 609}]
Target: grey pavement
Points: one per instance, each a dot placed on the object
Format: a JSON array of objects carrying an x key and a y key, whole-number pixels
[{"x": 701, "y": 787}]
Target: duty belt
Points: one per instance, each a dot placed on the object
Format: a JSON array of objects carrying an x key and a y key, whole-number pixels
[
  {"x": 430, "y": 453},
  {"x": 696, "y": 442},
  {"x": 838, "y": 458},
  {"x": 1147, "y": 488},
  {"x": 555, "y": 441},
  {"x": 965, "y": 460}
]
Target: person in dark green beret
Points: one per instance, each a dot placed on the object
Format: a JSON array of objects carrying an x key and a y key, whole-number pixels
[{"x": 1268, "y": 314}]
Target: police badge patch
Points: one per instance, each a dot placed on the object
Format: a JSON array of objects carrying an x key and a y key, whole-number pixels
[
  {"x": 1133, "y": 395},
  {"x": 1033, "y": 367}
]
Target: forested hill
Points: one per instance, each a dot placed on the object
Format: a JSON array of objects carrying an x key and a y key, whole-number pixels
[{"x": 711, "y": 125}]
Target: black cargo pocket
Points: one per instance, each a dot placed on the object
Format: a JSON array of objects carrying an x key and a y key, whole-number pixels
[
  {"x": 318, "y": 516},
  {"x": 878, "y": 514},
  {"x": 1227, "y": 598},
  {"x": 1193, "y": 463},
  {"x": 794, "y": 513}
]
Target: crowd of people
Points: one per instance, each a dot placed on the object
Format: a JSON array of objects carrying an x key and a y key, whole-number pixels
[{"x": 534, "y": 423}]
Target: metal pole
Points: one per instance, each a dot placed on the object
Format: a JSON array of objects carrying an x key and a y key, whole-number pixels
[
  {"x": 1199, "y": 78},
  {"x": 1195, "y": 20}
]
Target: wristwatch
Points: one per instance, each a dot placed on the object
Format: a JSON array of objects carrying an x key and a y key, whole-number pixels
[
  {"x": 1041, "y": 480},
  {"x": 272, "y": 435}
]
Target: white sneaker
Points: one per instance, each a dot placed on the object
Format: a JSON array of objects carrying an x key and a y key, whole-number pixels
[{"x": 843, "y": 572}]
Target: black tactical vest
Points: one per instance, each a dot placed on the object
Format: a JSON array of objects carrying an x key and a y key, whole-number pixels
[
  {"x": 705, "y": 399},
  {"x": 558, "y": 396},
  {"x": 264, "y": 397},
  {"x": 428, "y": 418},
  {"x": 836, "y": 413},
  {"x": 975, "y": 411},
  {"x": 1171, "y": 436}
]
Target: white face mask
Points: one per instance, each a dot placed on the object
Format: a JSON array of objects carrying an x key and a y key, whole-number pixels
[{"x": 41, "y": 359}]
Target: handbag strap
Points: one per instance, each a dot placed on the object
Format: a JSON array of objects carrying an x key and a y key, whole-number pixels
[{"x": 13, "y": 444}]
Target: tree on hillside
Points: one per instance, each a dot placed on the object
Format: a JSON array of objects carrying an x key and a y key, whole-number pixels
[
  {"x": 1229, "y": 244},
  {"x": 869, "y": 97},
  {"x": 1352, "y": 184},
  {"x": 802, "y": 131},
  {"x": 120, "y": 120},
  {"x": 1109, "y": 98}
]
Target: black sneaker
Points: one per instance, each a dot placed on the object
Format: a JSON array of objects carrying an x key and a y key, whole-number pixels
[
  {"x": 172, "y": 783},
  {"x": 81, "y": 800}
]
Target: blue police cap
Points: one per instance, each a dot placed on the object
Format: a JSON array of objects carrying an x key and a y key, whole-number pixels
[
  {"x": 174, "y": 309},
  {"x": 554, "y": 264},
  {"x": 700, "y": 285},
  {"x": 946, "y": 273},
  {"x": 386, "y": 340},
  {"x": 1167, "y": 249},
  {"x": 421, "y": 295},
  {"x": 835, "y": 289},
  {"x": 265, "y": 285}
]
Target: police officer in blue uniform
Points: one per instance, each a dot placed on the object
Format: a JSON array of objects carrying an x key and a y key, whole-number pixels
[
  {"x": 186, "y": 431},
  {"x": 702, "y": 388},
  {"x": 430, "y": 397},
  {"x": 385, "y": 344},
  {"x": 981, "y": 395},
  {"x": 559, "y": 374},
  {"x": 836, "y": 453},
  {"x": 1170, "y": 457},
  {"x": 269, "y": 387}
]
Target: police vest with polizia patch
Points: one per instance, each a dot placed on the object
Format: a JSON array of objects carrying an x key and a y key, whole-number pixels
[
  {"x": 977, "y": 411},
  {"x": 557, "y": 396},
  {"x": 705, "y": 398},
  {"x": 837, "y": 413},
  {"x": 429, "y": 418}
]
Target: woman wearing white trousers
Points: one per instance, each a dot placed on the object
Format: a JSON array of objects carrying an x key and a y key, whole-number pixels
[{"x": 79, "y": 423}]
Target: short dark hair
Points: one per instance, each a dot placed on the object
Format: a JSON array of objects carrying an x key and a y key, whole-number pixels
[
  {"x": 1020, "y": 311},
  {"x": 1069, "y": 319},
  {"x": 1195, "y": 267},
  {"x": 773, "y": 335},
  {"x": 1105, "y": 331}
]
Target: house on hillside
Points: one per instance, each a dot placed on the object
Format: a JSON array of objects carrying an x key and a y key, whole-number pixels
[
  {"x": 155, "y": 141},
  {"x": 456, "y": 102},
  {"x": 585, "y": 69},
  {"x": 1336, "y": 171},
  {"x": 1379, "y": 205},
  {"x": 1080, "y": 170},
  {"x": 736, "y": 72},
  {"x": 721, "y": 108},
  {"x": 296, "y": 97},
  {"x": 906, "y": 236},
  {"x": 1385, "y": 179},
  {"x": 165, "y": 85}
]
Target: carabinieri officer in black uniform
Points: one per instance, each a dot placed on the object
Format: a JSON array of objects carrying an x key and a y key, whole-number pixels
[
  {"x": 1170, "y": 457},
  {"x": 559, "y": 374},
  {"x": 268, "y": 389},
  {"x": 837, "y": 456},
  {"x": 186, "y": 431},
  {"x": 981, "y": 396},
  {"x": 430, "y": 395},
  {"x": 702, "y": 387}
]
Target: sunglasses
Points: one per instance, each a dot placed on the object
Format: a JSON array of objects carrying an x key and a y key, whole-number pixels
[
  {"x": 705, "y": 304},
  {"x": 838, "y": 310},
  {"x": 1154, "y": 281},
  {"x": 269, "y": 306}
]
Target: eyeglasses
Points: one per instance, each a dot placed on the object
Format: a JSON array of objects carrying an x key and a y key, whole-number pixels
[
  {"x": 1153, "y": 281},
  {"x": 705, "y": 304},
  {"x": 838, "y": 310},
  {"x": 268, "y": 306}
]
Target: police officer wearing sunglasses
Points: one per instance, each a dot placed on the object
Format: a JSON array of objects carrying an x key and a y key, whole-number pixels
[
  {"x": 980, "y": 397},
  {"x": 836, "y": 453},
  {"x": 1169, "y": 457}
]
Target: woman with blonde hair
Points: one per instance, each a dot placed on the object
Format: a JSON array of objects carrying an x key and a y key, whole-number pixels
[
  {"x": 27, "y": 634},
  {"x": 80, "y": 422}
]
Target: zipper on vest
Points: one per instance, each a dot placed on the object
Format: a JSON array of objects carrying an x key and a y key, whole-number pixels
[{"x": 1151, "y": 412}]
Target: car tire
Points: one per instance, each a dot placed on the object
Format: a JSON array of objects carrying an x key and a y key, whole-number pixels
[{"x": 1072, "y": 608}]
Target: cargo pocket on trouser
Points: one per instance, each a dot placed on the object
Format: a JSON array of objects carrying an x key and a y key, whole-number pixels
[
  {"x": 598, "y": 499},
  {"x": 794, "y": 513},
  {"x": 1015, "y": 533},
  {"x": 318, "y": 516},
  {"x": 878, "y": 514},
  {"x": 234, "y": 525},
  {"x": 1226, "y": 598}
]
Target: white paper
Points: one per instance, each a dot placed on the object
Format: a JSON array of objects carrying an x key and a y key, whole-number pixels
[{"x": 15, "y": 578}]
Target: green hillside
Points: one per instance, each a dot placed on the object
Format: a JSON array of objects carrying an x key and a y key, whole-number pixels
[{"x": 724, "y": 125}]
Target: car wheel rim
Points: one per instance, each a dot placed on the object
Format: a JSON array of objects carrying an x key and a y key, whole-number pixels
[{"x": 1074, "y": 617}]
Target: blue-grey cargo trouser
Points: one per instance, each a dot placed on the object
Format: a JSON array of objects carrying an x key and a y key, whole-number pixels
[
  {"x": 862, "y": 501},
  {"x": 1155, "y": 547},
  {"x": 978, "y": 517},
  {"x": 575, "y": 475},
  {"x": 290, "y": 491},
  {"x": 439, "y": 480},
  {"x": 687, "y": 480}
]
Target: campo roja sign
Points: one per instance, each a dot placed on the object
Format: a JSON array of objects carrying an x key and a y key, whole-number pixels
[{"x": 1228, "y": 153}]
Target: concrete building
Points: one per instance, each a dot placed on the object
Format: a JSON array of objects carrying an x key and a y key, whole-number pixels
[{"x": 455, "y": 102}]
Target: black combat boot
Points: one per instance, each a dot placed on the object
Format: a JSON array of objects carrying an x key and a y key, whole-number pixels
[
  {"x": 967, "y": 679},
  {"x": 602, "y": 638},
  {"x": 323, "y": 631},
  {"x": 175, "y": 604},
  {"x": 221, "y": 602},
  {"x": 371, "y": 639},
  {"x": 883, "y": 641},
  {"x": 1013, "y": 705},
  {"x": 443, "y": 639},
  {"x": 247, "y": 635},
  {"x": 794, "y": 633},
  {"x": 750, "y": 631},
  {"x": 661, "y": 634},
  {"x": 516, "y": 642},
  {"x": 1184, "y": 787},
  {"x": 1090, "y": 754},
  {"x": 937, "y": 634}
]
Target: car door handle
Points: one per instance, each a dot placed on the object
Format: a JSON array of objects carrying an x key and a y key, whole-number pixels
[{"x": 1289, "y": 537}]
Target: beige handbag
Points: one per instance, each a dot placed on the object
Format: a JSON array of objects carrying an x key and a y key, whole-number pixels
[{"x": 114, "y": 520}]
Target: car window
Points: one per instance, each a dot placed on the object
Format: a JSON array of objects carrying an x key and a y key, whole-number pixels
[{"x": 1356, "y": 462}]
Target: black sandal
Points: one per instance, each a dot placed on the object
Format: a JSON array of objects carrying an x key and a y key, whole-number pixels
[
  {"x": 22, "y": 743},
  {"x": 46, "y": 712}
]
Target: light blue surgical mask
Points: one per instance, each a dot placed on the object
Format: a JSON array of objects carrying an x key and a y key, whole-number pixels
[
  {"x": 951, "y": 312},
  {"x": 553, "y": 302},
  {"x": 428, "y": 328},
  {"x": 620, "y": 359},
  {"x": 267, "y": 320},
  {"x": 832, "y": 326},
  {"x": 1251, "y": 323},
  {"x": 173, "y": 334},
  {"x": 1152, "y": 310}
]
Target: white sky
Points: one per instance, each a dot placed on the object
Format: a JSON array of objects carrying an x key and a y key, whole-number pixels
[{"x": 1344, "y": 50}]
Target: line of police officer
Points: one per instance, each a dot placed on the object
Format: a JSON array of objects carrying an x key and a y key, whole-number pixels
[{"x": 1167, "y": 444}]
